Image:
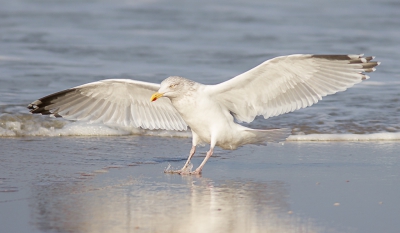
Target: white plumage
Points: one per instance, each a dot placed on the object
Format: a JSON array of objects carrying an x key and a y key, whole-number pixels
[{"x": 275, "y": 87}]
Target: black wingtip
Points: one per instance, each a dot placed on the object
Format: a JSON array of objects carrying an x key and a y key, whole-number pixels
[
  {"x": 332, "y": 57},
  {"x": 366, "y": 62},
  {"x": 40, "y": 106}
]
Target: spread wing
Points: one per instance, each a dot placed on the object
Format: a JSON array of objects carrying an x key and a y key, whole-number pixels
[
  {"x": 120, "y": 102},
  {"x": 287, "y": 83}
]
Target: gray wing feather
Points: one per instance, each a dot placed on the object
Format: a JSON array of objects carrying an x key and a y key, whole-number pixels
[
  {"x": 120, "y": 102},
  {"x": 285, "y": 84}
]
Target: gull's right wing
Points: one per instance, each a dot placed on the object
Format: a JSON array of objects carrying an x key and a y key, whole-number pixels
[{"x": 121, "y": 102}]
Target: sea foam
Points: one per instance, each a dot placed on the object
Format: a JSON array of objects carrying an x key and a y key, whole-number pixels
[
  {"x": 22, "y": 125},
  {"x": 346, "y": 137}
]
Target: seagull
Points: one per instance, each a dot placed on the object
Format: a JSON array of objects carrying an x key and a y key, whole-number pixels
[{"x": 213, "y": 112}]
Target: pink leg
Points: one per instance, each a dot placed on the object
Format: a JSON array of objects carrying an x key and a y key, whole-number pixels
[
  {"x": 182, "y": 171},
  {"x": 192, "y": 151},
  {"x": 198, "y": 170}
]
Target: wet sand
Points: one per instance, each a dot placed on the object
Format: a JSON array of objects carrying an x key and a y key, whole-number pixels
[
  {"x": 117, "y": 184},
  {"x": 96, "y": 184}
]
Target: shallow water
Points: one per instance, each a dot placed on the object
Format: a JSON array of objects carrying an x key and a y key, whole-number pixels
[{"x": 53, "y": 180}]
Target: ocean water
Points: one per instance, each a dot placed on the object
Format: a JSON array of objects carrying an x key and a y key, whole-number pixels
[
  {"x": 64, "y": 176},
  {"x": 48, "y": 46}
]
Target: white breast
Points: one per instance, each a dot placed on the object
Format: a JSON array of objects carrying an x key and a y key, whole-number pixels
[{"x": 203, "y": 115}]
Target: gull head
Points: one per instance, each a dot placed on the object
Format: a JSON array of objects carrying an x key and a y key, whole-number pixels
[{"x": 172, "y": 87}]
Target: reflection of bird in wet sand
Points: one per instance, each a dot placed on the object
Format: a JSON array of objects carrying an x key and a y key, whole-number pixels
[{"x": 275, "y": 87}]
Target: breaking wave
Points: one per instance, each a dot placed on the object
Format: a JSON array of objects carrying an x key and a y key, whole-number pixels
[{"x": 22, "y": 125}]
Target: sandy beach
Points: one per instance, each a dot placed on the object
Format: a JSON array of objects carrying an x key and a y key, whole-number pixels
[{"x": 117, "y": 184}]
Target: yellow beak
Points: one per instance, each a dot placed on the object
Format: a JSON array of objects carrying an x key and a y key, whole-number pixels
[{"x": 155, "y": 96}]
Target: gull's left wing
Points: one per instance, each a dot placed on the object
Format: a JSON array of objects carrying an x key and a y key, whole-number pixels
[{"x": 287, "y": 83}]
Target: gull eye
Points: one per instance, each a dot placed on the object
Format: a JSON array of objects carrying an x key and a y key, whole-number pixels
[{"x": 172, "y": 85}]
